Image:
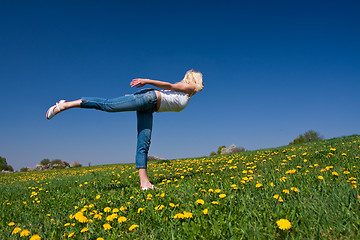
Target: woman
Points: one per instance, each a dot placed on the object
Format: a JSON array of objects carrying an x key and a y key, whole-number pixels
[{"x": 171, "y": 97}]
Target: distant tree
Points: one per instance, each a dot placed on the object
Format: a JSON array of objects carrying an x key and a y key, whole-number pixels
[
  {"x": 3, "y": 160},
  {"x": 232, "y": 149},
  {"x": 212, "y": 154},
  {"x": 45, "y": 161},
  {"x": 219, "y": 149},
  {"x": 25, "y": 169},
  {"x": 58, "y": 164},
  {"x": 308, "y": 136},
  {"x": 4, "y": 166},
  {"x": 75, "y": 164}
]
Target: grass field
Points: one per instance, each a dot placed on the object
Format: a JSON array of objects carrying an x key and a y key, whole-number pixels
[{"x": 304, "y": 191}]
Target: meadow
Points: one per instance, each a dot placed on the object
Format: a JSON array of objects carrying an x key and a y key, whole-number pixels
[{"x": 306, "y": 191}]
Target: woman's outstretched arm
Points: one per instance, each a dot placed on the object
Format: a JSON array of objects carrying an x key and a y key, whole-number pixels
[{"x": 179, "y": 86}]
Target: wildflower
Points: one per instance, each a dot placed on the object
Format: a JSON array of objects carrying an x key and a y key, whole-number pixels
[
  {"x": 122, "y": 219},
  {"x": 321, "y": 177},
  {"x": 99, "y": 238},
  {"x": 35, "y": 237},
  {"x": 11, "y": 224},
  {"x": 24, "y": 233},
  {"x": 200, "y": 202},
  {"x": 159, "y": 207},
  {"x": 140, "y": 210},
  {"x": 215, "y": 202},
  {"x": 115, "y": 210},
  {"x": 84, "y": 230},
  {"x": 16, "y": 230},
  {"x": 71, "y": 234},
  {"x": 272, "y": 184},
  {"x": 343, "y": 154},
  {"x": 211, "y": 190},
  {"x": 290, "y": 171},
  {"x": 346, "y": 172},
  {"x": 107, "y": 226},
  {"x": 258, "y": 185},
  {"x": 278, "y": 197},
  {"x": 335, "y": 174},
  {"x": 111, "y": 218},
  {"x": 179, "y": 216},
  {"x": 173, "y": 205},
  {"x": 217, "y": 190},
  {"x": 294, "y": 189},
  {"x": 188, "y": 214},
  {"x": 284, "y": 224},
  {"x": 222, "y": 195},
  {"x": 206, "y": 211},
  {"x": 107, "y": 209},
  {"x": 286, "y": 191},
  {"x": 133, "y": 227},
  {"x": 66, "y": 224}
]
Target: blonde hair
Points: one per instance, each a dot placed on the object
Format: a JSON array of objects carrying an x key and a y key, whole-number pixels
[{"x": 195, "y": 79}]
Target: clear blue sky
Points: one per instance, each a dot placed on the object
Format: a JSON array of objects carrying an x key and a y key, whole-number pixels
[{"x": 272, "y": 70}]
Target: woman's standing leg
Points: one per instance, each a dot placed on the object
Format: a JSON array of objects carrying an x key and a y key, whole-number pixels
[{"x": 144, "y": 127}]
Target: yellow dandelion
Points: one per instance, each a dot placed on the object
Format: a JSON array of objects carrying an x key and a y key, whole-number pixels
[
  {"x": 215, "y": 202},
  {"x": 335, "y": 174},
  {"x": 84, "y": 230},
  {"x": 258, "y": 185},
  {"x": 133, "y": 227},
  {"x": 99, "y": 238},
  {"x": 107, "y": 226},
  {"x": 294, "y": 189},
  {"x": 179, "y": 216},
  {"x": 71, "y": 235},
  {"x": 122, "y": 219},
  {"x": 217, "y": 190},
  {"x": 206, "y": 211},
  {"x": 11, "y": 224},
  {"x": 16, "y": 230},
  {"x": 140, "y": 210},
  {"x": 222, "y": 195},
  {"x": 159, "y": 207},
  {"x": 115, "y": 210},
  {"x": 35, "y": 237},
  {"x": 321, "y": 177},
  {"x": 107, "y": 209},
  {"x": 211, "y": 190},
  {"x": 188, "y": 214},
  {"x": 200, "y": 202},
  {"x": 24, "y": 233},
  {"x": 284, "y": 224},
  {"x": 286, "y": 191}
]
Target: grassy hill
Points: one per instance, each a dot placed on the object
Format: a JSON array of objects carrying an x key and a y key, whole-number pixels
[{"x": 311, "y": 187}]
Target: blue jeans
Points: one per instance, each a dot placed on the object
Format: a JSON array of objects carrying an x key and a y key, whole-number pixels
[{"x": 144, "y": 102}]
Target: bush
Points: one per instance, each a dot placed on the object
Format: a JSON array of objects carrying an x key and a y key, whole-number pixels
[
  {"x": 75, "y": 164},
  {"x": 154, "y": 158},
  {"x": 212, "y": 154},
  {"x": 308, "y": 136},
  {"x": 4, "y": 166},
  {"x": 45, "y": 162},
  {"x": 25, "y": 169},
  {"x": 232, "y": 149},
  {"x": 59, "y": 164},
  {"x": 219, "y": 150}
]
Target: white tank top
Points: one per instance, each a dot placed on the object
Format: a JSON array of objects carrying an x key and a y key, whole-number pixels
[{"x": 173, "y": 101}]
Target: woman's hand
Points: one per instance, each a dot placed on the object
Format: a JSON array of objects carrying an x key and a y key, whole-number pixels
[{"x": 138, "y": 82}]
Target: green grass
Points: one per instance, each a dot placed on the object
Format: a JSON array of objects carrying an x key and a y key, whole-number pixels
[{"x": 45, "y": 203}]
